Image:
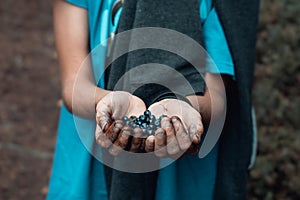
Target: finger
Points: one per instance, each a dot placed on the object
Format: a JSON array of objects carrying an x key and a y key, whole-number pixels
[
  {"x": 160, "y": 149},
  {"x": 121, "y": 142},
  {"x": 103, "y": 117},
  {"x": 172, "y": 145},
  {"x": 116, "y": 129},
  {"x": 195, "y": 133},
  {"x": 143, "y": 145},
  {"x": 182, "y": 137},
  {"x": 149, "y": 147},
  {"x": 193, "y": 149},
  {"x": 136, "y": 140},
  {"x": 101, "y": 137}
]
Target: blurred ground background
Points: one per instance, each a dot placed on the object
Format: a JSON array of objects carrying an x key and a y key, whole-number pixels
[{"x": 30, "y": 92}]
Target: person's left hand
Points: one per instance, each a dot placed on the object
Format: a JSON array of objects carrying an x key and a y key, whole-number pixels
[{"x": 180, "y": 130}]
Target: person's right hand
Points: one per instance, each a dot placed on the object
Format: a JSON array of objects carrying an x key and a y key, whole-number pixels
[{"x": 110, "y": 129}]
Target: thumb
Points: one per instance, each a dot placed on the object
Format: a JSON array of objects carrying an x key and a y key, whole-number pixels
[
  {"x": 193, "y": 124},
  {"x": 195, "y": 132}
]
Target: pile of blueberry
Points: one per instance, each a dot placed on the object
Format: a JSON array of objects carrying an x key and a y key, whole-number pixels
[{"x": 147, "y": 122}]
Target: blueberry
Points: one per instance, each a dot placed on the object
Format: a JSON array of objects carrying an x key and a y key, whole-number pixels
[
  {"x": 144, "y": 130},
  {"x": 150, "y": 132},
  {"x": 147, "y": 113},
  {"x": 144, "y": 125},
  {"x": 138, "y": 122},
  {"x": 127, "y": 123},
  {"x": 142, "y": 118},
  {"x": 132, "y": 118},
  {"x": 132, "y": 124},
  {"x": 152, "y": 127},
  {"x": 152, "y": 119},
  {"x": 157, "y": 122},
  {"x": 125, "y": 118}
]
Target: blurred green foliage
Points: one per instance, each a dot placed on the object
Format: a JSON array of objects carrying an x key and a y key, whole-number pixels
[{"x": 276, "y": 98}]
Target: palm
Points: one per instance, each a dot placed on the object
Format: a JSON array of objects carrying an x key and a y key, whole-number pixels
[
  {"x": 116, "y": 105},
  {"x": 172, "y": 107}
]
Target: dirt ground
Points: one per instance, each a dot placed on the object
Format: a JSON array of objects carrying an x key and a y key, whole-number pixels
[{"x": 30, "y": 92}]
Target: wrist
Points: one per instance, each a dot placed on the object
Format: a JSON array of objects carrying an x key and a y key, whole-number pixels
[
  {"x": 193, "y": 100},
  {"x": 203, "y": 105},
  {"x": 99, "y": 94},
  {"x": 173, "y": 96}
]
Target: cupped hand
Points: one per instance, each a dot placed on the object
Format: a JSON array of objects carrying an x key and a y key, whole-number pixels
[
  {"x": 111, "y": 129},
  {"x": 180, "y": 131}
]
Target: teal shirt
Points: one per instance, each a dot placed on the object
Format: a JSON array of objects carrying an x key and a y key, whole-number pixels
[{"x": 187, "y": 178}]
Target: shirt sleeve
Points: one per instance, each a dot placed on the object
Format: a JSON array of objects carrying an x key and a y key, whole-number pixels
[
  {"x": 79, "y": 3},
  {"x": 216, "y": 45}
]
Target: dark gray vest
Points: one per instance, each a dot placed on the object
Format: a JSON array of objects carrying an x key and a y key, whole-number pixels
[{"x": 239, "y": 21}]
